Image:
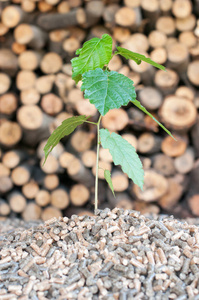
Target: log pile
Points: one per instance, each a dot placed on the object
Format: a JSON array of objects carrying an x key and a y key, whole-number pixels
[{"x": 37, "y": 41}]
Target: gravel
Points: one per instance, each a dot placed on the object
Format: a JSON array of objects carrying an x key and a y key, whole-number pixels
[{"x": 116, "y": 254}]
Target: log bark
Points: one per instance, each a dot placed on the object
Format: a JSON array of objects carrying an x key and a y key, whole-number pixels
[
  {"x": 178, "y": 113},
  {"x": 194, "y": 136},
  {"x": 79, "y": 195},
  {"x": 58, "y": 20},
  {"x": 193, "y": 204},
  {"x": 30, "y": 35}
]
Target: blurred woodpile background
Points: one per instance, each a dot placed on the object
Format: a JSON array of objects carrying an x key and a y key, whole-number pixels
[{"x": 37, "y": 41}]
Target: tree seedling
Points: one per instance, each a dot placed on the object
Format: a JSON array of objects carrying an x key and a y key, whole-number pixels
[{"x": 107, "y": 90}]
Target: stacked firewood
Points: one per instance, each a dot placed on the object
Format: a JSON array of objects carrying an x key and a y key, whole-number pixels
[{"x": 37, "y": 41}]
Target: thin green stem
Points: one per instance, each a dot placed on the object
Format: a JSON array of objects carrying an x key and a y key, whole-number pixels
[
  {"x": 97, "y": 164},
  {"x": 90, "y": 122}
]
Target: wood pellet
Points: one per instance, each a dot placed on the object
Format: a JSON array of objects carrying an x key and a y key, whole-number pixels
[{"x": 116, "y": 254}]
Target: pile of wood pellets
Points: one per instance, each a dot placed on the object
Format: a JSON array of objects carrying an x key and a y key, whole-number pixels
[{"x": 116, "y": 254}]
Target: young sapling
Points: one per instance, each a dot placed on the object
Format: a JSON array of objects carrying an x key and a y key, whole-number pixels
[{"x": 105, "y": 89}]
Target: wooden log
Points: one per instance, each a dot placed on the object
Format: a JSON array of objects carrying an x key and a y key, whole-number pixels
[
  {"x": 28, "y": 6},
  {"x": 51, "y": 182},
  {"x": 121, "y": 200},
  {"x": 105, "y": 155},
  {"x": 193, "y": 73},
  {"x": 121, "y": 34},
  {"x": 4, "y": 170},
  {"x": 6, "y": 184},
  {"x": 109, "y": 15},
  {"x": 51, "y": 104},
  {"x": 51, "y": 165},
  {"x": 21, "y": 174},
  {"x": 178, "y": 57},
  {"x": 63, "y": 7},
  {"x": 50, "y": 212},
  {"x": 60, "y": 198},
  {"x": 79, "y": 195},
  {"x": 151, "y": 11},
  {"x": 45, "y": 83},
  {"x": 13, "y": 158},
  {"x": 166, "y": 82},
  {"x": 178, "y": 113},
  {"x": 70, "y": 45},
  {"x": 155, "y": 186},
  {"x": 159, "y": 55},
  {"x": 131, "y": 139},
  {"x": 56, "y": 38},
  {"x": 185, "y": 162},
  {"x": 3, "y": 29},
  {"x": 44, "y": 7},
  {"x": 81, "y": 141},
  {"x": 61, "y": 20},
  {"x": 30, "y": 35},
  {"x": 137, "y": 42},
  {"x": 186, "y": 24},
  {"x": 153, "y": 94},
  {"x": 8, "y": 62},
  {"x": 164, "y": 165},
  {"x": 185, "y": 92},
  {"x": 5, "y": 83},
  {"x": 8, "y": 105},
  {"x": 18, "y": 48},
  {"x": 29, "y": 60},
  {"x": 194, "y": 136},
  {"x": 94, "y": 11},
  {"x": 120, "y": 181},
  {"x": 30, "y": 189},
  {"x": 78, "y": 33},
  {"x": 84, "y": 107},
  {"x": 194, "y": 179},
  {"x": 42, "y": 198},
  {"x": 157, "y": 39},
  {"x": 25, "y": 80},
  {"x": 89, "y": 158},
  {"x": 17, "y": 201},
  {"x": 188, "y": 38},
  {"x": 103, "y": 165},
  {"x": 125, "y": 16},
  {"x": 35, "y": 124},
  {"x": 115, "y": 63},
  {"x": 145, "y": 70},
  {"x": 149, "y": 143},
  {"x": 12, "y": 15},
  {"x": 146, "y": 208},
  {"x": 174, "y": 148},
  {"x": 115, "y": 119},
  {"x": 65, "y": 159},
  {"x": 10, "y": 134},
  {"x": 52, "y": 2},
  {"x": 78, "y": 172},
  {"x": 56, "y": 152},
  {"x": 4, "y": 208},
  {"x": 173, "y": 195},
  {"x": 182, "y": 8},
  {"x": 165, "y": 7},
  {"x": 30, "y": 96},
  {"x": 167, "y": 25},
  {"x": 32, "y": 212},
  {"x": 193, "y": 204},
  {"x": 51, "y": 63}
]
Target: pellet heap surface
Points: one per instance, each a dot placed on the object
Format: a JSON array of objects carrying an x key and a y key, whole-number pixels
[{"x": 116, "y": 254}]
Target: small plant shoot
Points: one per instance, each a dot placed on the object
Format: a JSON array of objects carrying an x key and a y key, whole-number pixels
[{"x": 105, "y": 89}]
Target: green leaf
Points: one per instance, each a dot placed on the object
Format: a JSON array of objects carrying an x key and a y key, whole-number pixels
[
  {"x": 107, "y": 176},
  {"x": 107, "y": 90},
  {"x": 137, "y": 57},
  {"x": 94, "y": 54},
  {"x": 67, "y": 127},
  {"x": 123, "y": 154},
  {"x": 141, "y": 107}
]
